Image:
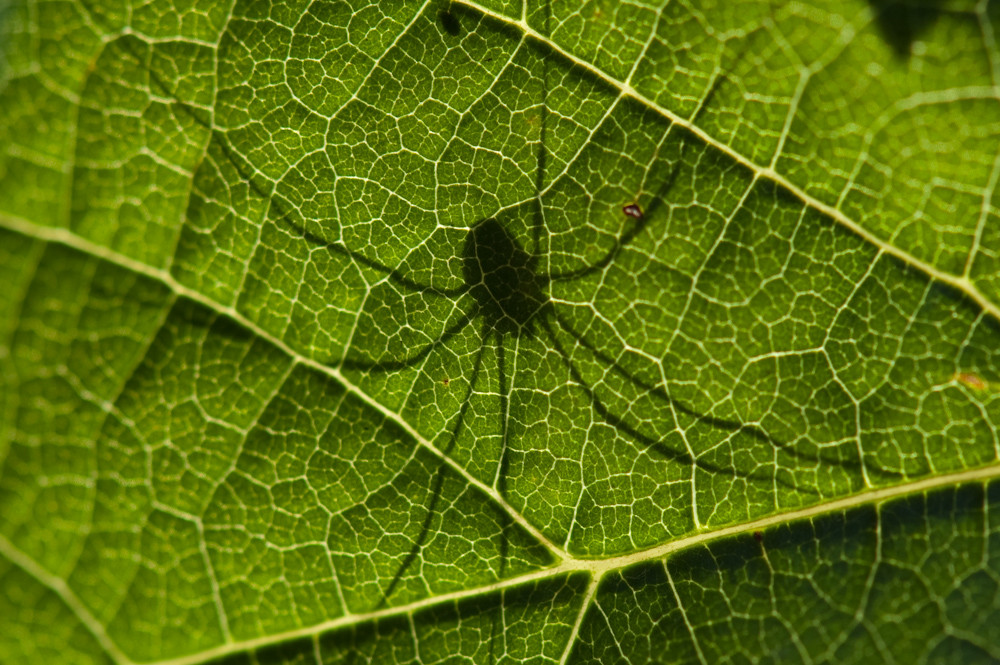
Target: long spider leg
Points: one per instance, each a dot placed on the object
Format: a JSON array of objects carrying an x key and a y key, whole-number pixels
[
  {"x": 658, "y": 200},
  {"x": 438, "y": 484},
  {"x": 734, "y": 426},
  {"x": 504, "y": 464},
  {"x": 247, "y": 176},
  {"x": 391, "y": 273},
  {"x": 222, "y": 140},
  {"x": 638, "y": 227},
  {"x": 620, "y": 243},
  {"x": 502, "y": 467},
  {"x": 660, "y": 447},
  {"x": 719, "y": 423},
  {"x": 504, "y": 517},
  {"x": 395, "y": 365},
  {"x": 538, "y": 218},
  {"x": 752, "y": 429},
  {"x": 661, "y": 194}
]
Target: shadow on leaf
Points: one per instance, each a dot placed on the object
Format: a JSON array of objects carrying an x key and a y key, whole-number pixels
[{"x": 902, "y": 22}]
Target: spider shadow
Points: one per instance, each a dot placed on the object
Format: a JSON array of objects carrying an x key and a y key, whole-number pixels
[
  {"x": 509, "y": 295},
  {"x": 902, "y": 22},
  {"x": 283, "y": 216}
]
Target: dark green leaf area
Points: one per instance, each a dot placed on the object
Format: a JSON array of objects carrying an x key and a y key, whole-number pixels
[
  {"x": 894, "y": 584},
  {"x": 529, "y": 623}
]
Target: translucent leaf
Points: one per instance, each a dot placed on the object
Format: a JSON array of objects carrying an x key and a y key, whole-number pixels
[{"x": 455, "y": 331}]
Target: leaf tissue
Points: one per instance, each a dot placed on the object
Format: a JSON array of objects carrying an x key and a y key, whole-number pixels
[{"x": 499, "y": 331}]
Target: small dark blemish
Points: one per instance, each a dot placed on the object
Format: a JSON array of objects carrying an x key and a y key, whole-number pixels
[
  {"x": 446, "y": 381},
  {"x": 758, "y": 536},
  {"x": 633, "y": 210}
]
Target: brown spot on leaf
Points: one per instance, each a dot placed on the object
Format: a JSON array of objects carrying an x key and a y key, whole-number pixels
[
  {"x": 970, "y": 380},
  {"x": 633, "y": 210}
]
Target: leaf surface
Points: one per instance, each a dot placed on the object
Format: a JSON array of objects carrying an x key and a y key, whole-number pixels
[{"x": 329, "y": 333}]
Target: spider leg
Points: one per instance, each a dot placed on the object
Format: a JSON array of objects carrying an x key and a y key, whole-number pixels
[
  {"x": 657, "y": 200},
  {"x": 637, "y": 227},
  {"x": 397, "y": 278},
  {"x": 501, "y": 479},
  {"x": 284, "y": 216},
  {"x": 719, "y": 423},
  {"x": 396, "y": 365},
  {"x": 681, "y": 456},
  {"x": 391, "y": 274},
  {"x": 538, "y": 219},
  {"x": 438, "y": 485},
  {"x": 751, "y": 429},
  {"x": 503, "y": 466}
]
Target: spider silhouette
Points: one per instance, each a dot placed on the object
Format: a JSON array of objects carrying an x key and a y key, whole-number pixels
[
  {"x": 507, "y": 294},
  {"x": 504, "y": 289}
]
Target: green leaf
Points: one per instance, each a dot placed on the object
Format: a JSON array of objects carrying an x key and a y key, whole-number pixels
[{"x": 328, "y": 333}]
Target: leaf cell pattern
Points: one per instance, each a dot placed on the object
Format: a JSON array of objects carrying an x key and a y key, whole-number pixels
[{"x": 328, "y": 337}]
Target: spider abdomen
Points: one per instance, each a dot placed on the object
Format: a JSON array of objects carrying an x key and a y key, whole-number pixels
[{"x": 501, "y": 276}]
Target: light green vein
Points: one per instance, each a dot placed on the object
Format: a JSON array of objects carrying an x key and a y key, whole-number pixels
[
  {"x": 596, "y": 568},
  {"x": 58, "y": 586},
  {"x": 962, "y": 284},
  {"x": 70, "y": 239}
]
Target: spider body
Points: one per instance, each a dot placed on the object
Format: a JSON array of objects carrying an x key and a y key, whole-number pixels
[{"x": 502, "y": 278}]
